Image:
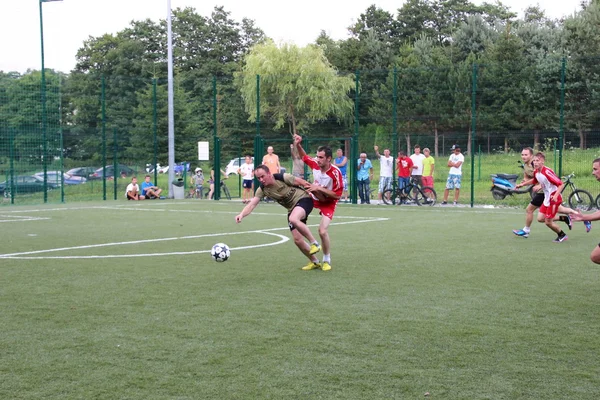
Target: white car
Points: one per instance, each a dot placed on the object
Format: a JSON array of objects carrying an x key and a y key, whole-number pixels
[{"x": 234, "y": 165}]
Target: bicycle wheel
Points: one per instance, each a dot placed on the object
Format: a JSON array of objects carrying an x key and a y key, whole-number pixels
[
  {"x": 426, "y": 196},
  {"x": 598, "y": 202},
  {"x": 226, "y": 191},
  {"x": 391, "y": 196},
  {"x": 581, "y": 200}
]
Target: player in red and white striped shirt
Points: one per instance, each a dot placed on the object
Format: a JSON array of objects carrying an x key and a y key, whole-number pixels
[
  {"x": 326, "y": 191},
  {"x": 551, "y": 186}
]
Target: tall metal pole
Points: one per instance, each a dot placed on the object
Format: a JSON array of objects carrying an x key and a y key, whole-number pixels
[
  {"x": 44, "y": 117},
  {"x": 561, "y": 129},
  {"x": 171, "y": 137},
  {"x": 473, "y": 129}
]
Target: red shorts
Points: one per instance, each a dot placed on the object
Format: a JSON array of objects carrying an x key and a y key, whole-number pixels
[
  {"x": 327, "y": 209},
  {"x": 550, "y": 211},
  {"x": 427, "y": 181}
]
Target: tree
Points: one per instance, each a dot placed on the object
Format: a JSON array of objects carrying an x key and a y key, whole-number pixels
[{"x": 298, "y": 86}]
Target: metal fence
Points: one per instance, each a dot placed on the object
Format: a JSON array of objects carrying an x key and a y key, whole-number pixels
[{"x": 107, "y": 129}]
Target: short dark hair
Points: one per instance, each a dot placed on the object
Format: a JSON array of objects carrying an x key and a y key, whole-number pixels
[
  {"x": 597, "y": 160},
  {"x": 541, "y": 155},
  {"x": 327, "y": 151},
  {"x": 528, "y": 149},
  {"x": 264, "y": 168},
  {"x": 417, "y": 146}
]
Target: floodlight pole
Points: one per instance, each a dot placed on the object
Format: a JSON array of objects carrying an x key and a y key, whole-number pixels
[{"x": 44, "y": 117}]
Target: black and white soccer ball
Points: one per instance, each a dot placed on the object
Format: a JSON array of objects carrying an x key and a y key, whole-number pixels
[{"x": 220, "y": 252}]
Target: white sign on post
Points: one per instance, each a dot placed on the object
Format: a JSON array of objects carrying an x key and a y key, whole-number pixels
[{"x": 203, "y": 151}]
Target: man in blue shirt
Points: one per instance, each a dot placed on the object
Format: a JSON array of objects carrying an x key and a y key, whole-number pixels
[
  {"x": 341, "y": 161},
  {"x": 364, "y": 175},
  {"x": 149, "y": 191}
]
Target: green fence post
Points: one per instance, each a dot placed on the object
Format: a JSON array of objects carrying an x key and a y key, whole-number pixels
[
  {"x": 103, "y": 105},
  {"x": 115, "y": 163},
  {"x": 12, "y": 164},
  {"x": 395, "y": 121},
  {"x": 473, "y": 130},
  {"x": 258, "y": 144},
  {"x": 354, "y": 151},
  {"x": 479, "y": 163},
  {"x": 217, "y": 158},
  {"x": 561, "y": 129},
  {"x": 155, "y": 129}
]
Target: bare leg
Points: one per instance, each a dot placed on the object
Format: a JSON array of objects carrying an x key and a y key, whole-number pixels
[
  {"x": 456, "y": 193},
  {"x": 595, "y": 256},
  {"x": 529, "y": 215},
  {"x": 303, "y": 246},
  {"x": 550, "y": 224},
  {"x": 446, "y": 192},
  {"x": 324, "y": 234}
]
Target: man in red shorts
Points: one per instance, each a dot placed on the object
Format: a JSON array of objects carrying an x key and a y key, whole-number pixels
[
  {"x": 551, "y": 185},
  {"x": 326, "y": 191}
]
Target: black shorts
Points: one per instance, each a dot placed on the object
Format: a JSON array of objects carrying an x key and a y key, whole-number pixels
[
  {"x": 538, "y": 199},
  {"x": 307, "y": 205},
  {"x": 247, "y": 183}
]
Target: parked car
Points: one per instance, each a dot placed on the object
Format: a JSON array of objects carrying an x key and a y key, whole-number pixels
[
  {"x": 160, "y": 170},
  {"x": 25, "y": 184},
  {"x": 84, "y": 172},
  {"x": 123, "y": 170},
  {"x": 54, "y": 177}
]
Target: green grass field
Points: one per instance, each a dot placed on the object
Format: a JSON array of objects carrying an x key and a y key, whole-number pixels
[{"x": 117, "y": 300}]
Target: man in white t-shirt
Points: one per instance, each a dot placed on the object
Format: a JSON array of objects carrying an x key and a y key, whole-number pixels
[
  {"x": 246, "y": 170},
  {"x": 386, "y": 171},
  {"x": 133, "y": 190},
  {"x": 455, "y": 163},
  {"x": 417, "y": 159}
]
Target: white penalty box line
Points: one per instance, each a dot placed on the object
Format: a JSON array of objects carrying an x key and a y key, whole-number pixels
[{"x": 35, "y": 254}]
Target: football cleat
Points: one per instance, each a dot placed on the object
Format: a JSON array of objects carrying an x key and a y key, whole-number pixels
[
  {"x": 588, "y": 225},
  {"x": 310, "y": 266},
  {"x": 326, "y": 266},
  {"x": 560, "y": 239},
  {"x": 521, "y": 232},
  {"x": 314, "y": 248}
]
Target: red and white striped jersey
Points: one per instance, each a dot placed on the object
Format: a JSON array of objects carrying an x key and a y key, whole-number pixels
[
  {"x": 549, "y": 182},
  {"x": 331, "y": 179}
]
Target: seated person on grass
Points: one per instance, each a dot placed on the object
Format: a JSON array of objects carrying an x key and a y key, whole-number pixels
[
  {"x": 133, "y": 190},
  {"x": 149, "y": 191}
]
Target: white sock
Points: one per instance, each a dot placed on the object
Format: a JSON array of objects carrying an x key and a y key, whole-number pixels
[
  {"x": 526, "y": 229},
  {"x": 327, "y": 258}
]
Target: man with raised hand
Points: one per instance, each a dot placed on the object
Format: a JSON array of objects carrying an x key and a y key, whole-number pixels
[
  {"x": 326, "y": 191},
  {"x": 288, "y": 191}
]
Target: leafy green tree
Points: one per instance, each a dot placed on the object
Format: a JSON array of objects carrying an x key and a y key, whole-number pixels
[{"x": 298, "y": 86}]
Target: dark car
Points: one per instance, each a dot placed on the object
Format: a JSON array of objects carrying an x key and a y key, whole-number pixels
[
  {"x": 25, "y": 184},
  {"x": 84, "y": 172},
  {"x": 55, "y": 177},
  {"x": 122, "y": 171}
]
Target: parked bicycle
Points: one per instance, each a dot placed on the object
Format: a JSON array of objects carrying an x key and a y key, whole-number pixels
[
  {"x": 579, "y": 199},
  {"x": 421, "y": 195}
]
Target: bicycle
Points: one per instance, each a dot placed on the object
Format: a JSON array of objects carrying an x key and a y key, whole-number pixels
[
  {"x": 225, "y": 190},
  {"x": 198, "y": 193},
  {"x": 579, "y": 199},
  {"x": 423, "y": 195}
]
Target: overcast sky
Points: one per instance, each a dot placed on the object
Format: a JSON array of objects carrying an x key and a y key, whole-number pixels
[{"x": 68, "y": 23}]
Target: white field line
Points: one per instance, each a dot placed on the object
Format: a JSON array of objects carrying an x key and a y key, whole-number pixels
[
  {"x": 20, "y": 218},
  {"x": 283, "y": 239}
]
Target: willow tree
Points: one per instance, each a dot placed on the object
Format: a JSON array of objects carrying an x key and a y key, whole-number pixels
[{"x": 298, "y": 86}]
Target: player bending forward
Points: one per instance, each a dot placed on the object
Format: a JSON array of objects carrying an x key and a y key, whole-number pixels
[
  {"x": 288, "y": 191},
  {"x": 326, "y": 190},
  {"x": 552, "y": 186}
]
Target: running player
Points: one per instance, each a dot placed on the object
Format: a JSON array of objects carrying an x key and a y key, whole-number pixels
[
  {"x": 595, "y": 256},
  {"x": 326, "y": 191}
]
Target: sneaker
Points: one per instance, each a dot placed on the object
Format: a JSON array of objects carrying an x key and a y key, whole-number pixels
[
  {"x": 455, "y": 203},
  {"x": 560, "y": 239},
  {"x": 314, "y": 248},
  {"x": 588, "y": 225},
  {"x": 521, "y": 232},
  {"x": 444, "y": 203},
  {"x": 569, "y": 222},
  {"x": 311, "y": 265},
  {"x": 326, "y": 266}
]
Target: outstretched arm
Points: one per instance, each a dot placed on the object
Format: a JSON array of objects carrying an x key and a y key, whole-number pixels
[
  {"x": 298, "y": 144},
  {"x": 247, "y": 210}
]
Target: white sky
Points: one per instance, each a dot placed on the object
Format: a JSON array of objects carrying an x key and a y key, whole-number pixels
[{"x": 68, "y": 23}]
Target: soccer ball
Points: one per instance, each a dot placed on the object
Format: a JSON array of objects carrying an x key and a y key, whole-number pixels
[{"x": 220, "y": 252}]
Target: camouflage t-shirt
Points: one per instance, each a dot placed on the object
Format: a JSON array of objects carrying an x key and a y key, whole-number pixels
[
  {"x": 283, "y": 191},
  {"x": 528, "y": 172}
]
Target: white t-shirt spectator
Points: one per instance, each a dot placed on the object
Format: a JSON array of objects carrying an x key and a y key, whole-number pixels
[
  {"x": 247, "y": 171},
  {"x": 387, "y": 166},
  {"x": 417, "y": 160},
  {"x": 131, "y": 187},
  {"x": 456, "y": 158}
]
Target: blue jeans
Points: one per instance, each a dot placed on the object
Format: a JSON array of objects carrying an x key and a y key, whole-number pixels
[
  {"x": 403, "y": 183},
  {"x": 363, "y": 191}
]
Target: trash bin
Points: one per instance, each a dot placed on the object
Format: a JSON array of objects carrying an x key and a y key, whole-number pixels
[{"x": 178, "y": 189}]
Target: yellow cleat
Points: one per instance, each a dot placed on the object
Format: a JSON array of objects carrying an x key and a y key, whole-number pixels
[
  {"x": 311, "y": 265},
  {"x": 326, "y": 266},
  {"x": 314, "y": 248}
]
